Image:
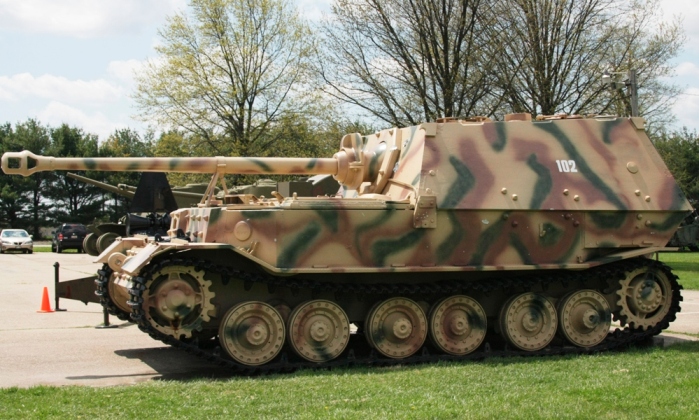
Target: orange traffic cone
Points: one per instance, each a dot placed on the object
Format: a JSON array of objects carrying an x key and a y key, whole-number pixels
[{"x": 45, "y": 305}]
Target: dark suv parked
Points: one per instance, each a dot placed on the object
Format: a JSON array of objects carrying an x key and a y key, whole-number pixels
[{"x": 68, "y": 236}]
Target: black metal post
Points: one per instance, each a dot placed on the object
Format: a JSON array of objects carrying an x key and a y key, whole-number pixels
[
  {"x": 106, "y": 323},
  {"x": 56, "y": 265}
]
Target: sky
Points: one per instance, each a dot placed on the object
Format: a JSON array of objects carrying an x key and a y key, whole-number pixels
[{"x": 72, "y": 61}]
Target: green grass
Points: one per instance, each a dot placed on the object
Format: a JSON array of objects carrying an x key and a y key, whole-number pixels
[
  {"x": 685, "y": 265},
  {"x": 639, "y": 383},
  {"x": 47, "y": 248}
]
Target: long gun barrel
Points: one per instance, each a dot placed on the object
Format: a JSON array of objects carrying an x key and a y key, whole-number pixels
[
  {"x": 222, "y": 165},
  {"x": 351, "y": 166},
  {"x": 129, "y": 191},
  {"x": 121, "y": 189}
]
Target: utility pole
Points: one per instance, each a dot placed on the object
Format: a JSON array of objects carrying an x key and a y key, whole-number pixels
[
  {"x": 633, "y": 92},
  {"x": 614, "y": 81}
]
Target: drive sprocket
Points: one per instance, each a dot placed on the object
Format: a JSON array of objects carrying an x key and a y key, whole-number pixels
[
  {"x": 646, "y": 295},
  {"x": 177, "y": 299}
]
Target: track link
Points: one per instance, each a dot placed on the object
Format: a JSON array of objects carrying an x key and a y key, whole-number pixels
[
  {"x": 357, "y": 354},
  {"x": 102, "y": 290}
]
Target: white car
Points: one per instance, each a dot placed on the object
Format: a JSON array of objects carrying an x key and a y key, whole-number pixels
[{"x": 16, "y": 240}]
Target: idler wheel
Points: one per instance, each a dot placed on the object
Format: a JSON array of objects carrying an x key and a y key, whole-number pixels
[
  {"x": 457, "y": 325},
  {"x": 645, "y": 297},
  {"x": 396, "y": 327},
  {"x": 177, "y": 300},
  {"x": 113, "y": 298},
  {"x": 119, "y": 295},
  {"x": 528, "y": 321},
  {"x": 585, "y": 318},
  {"x": 252, "y": 333},
  {"x": 319, "y": 330}
]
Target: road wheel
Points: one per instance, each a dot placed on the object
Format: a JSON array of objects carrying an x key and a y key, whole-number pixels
[
  {"x": 396, "y": 327},
  {"x": 528, "y": 321},
  {"x": 584, "y": 317},
  {"x": 252, "y": 333},
  {"x": 105, "y": 240},
  {"x": 59, "y": 249},
  {"x": 457, "y": 325},
  {"x": 90, "y": 244},
  {"x": 319, "y": 330}
]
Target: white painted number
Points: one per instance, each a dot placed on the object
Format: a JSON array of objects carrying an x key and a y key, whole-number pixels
[{"x": 566, "y": 166}]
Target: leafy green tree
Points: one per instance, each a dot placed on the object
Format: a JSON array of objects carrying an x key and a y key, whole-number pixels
[
  {"x": 298, "y": 137},
  {"x": 48, "y": 198},
  {"x": 10, "y": 194},
  {"x": 126, "y": 142},
  {"x": 123, "y": 142},
  {"x": 293, "y": 135},
  {"x": 22, "y": 199},
  {"x": 226, "y": 70},
  {"x": 176, "y": 143},
  {"x": 680, "y": 151},
  {"x": 71, "y": 200}
]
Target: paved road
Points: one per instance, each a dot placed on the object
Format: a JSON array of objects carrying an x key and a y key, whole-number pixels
[{"x": 65, "y": 348}]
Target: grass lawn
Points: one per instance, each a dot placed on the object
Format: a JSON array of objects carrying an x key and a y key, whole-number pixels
[
  {"x": 638, "y": 383},
  {"x": 685, "y": 265},
  {"x": 47, "y": 248}
]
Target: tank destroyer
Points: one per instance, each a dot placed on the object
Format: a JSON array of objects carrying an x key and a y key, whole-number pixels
[{"x": 447, "y": 240}]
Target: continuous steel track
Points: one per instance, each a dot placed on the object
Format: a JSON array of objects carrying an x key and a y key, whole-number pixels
[
  {"x": 359, "y": 353},
  {"x": 102, "y": 290}
]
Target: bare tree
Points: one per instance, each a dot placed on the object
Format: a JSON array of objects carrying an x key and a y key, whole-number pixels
[
  {"x": 407, "y": 61},
  {"x": 555, "y": 52},
  {"x": 227, "y": 70},
  {"x": 647, "y": 44}
]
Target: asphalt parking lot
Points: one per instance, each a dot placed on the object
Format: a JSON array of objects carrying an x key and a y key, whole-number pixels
[{"x": 65, "y": 348}]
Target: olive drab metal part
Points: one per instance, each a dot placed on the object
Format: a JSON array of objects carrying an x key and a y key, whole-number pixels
[{"x": 446, "y": 240}]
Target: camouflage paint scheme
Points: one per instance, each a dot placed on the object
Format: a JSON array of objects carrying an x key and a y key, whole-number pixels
[
  {"x": 455, "y": 199},
  {"x": 465, "y": 196}
]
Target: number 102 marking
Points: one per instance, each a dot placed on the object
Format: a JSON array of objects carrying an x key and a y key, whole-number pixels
[{"x": 566, "y": 166}]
